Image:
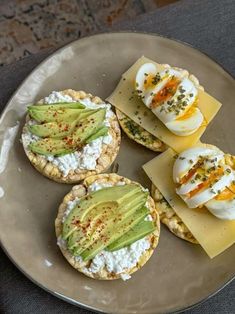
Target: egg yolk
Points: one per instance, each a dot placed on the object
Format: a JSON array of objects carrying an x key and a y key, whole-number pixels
[
  {"x": 188, "y": 113},
  {"x": 212, "y": 178},
  {"x": 191, "y": 172},
  {"x": 149, "y": 81},
  {"x": 166, "y": 92},
  {"x": 227, "y": 194},
  {"x": 188, "y": 175}
]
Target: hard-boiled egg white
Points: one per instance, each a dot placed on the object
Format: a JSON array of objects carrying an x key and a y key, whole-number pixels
[
  {"x": 170, "y": 94},
  {"x": 179, "y": 103},
  {"x": 222, "y": 209},
  {"x": 186, "y": 125},
  {"x": 144, "y": 80},
  {"x": 189, "y": 158},
  {"x": 209, "y": 193},
  {"x": 204, "y": 179}
]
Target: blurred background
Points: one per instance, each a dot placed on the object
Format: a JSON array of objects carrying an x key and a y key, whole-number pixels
[{"x": 27, "y": 26}]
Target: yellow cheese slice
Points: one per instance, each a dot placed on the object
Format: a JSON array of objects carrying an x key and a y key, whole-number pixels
[
  {"x": 213, "y": 234},
  {"x": 124, "y": 99}
]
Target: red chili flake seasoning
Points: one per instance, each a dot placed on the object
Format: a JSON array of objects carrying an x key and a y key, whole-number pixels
[
  {"x": 66, "y": 127},
  {"x": 99, "y": 222},
  {"x": 76, "y": 222},
  {"x": 69, "y": 140}
]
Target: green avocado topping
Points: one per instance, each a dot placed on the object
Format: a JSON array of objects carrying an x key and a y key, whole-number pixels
[
  {"x": 110, "y": 219},
  {"x": 62, "y": 128}
]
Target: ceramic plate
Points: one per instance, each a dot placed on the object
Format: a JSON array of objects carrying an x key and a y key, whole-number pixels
[{"x": 179, "y": 274}]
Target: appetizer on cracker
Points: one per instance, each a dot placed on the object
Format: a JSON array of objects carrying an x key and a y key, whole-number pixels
[
  {"x": 70, "y": 135},
  {"x": 172, "y": 95},
  {"x": 194, "y": 193},
  {"x": 204, "y": 176},
  {"x": 107, "y": 227},
  {"x": 167, "y": 102}
]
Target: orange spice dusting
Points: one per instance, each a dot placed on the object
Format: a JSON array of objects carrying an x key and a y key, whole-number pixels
[
  {"x": 188, "y": 113},
  {"x": 190, "y": 173},
  {"x": 148, "y": 82},
  {"x": 227, "y": 194},
  {"x": 166, "y": 92},
  {"x": 213, "y": 176}
]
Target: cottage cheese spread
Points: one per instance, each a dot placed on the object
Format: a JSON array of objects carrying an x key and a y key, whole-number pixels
[
  {"x": 70, "y": 206},
  {"x": 120, "y": 261},
  {"x": 87, "y": 157},
  {"x": 98, "y": 186}
]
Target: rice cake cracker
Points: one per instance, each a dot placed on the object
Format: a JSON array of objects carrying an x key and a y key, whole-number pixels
[
  {"x": 106, "y": 158},
  {"x": 168, "y": 216},
  {"x": 139, "y": 134},
  {"x": 82, "y": 190}
]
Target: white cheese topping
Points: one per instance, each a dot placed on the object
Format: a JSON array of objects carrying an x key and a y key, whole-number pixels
[
  {"x": 87, "y": 157},
  {"x": 56, "y": 97},
  {"x": 61, "y": 243},
  {"x": 70, "y": 206},
  {"x": 96, "y": 186},
  {"x": 121, "y": 260},
  {"x": 118, "y": 262},
  {"x": 148, "y": 218}
]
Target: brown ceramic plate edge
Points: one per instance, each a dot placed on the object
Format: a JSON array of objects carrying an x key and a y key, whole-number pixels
[
  {"x": 60, "y": 296},
  {"x": 86, "y": 307}
]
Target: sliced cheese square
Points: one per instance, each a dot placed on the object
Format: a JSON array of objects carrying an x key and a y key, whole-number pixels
[
  {"x": 213, "y": 234},
  {"x": 124, "y": 99}
]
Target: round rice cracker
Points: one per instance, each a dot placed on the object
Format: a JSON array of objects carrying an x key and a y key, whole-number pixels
[
  {"x": 138, "y": 133},
  {"x": 169, "y": 218},
  {"x": 81, "y": 190},
  {"x": 108, "y": 154}
]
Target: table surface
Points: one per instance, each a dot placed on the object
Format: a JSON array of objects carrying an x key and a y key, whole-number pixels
[{"x": 208, "y": 25}]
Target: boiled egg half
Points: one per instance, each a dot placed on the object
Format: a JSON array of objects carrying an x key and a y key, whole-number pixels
[
  {"x": 172, "y": 96},
  {"x": 203, "y": 178}
]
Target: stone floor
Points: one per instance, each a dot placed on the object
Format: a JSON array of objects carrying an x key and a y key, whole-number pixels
[{"x": 26, "y": 26}]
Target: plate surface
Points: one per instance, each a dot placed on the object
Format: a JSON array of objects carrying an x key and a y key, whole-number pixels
[{"x": 179, "y": 274}]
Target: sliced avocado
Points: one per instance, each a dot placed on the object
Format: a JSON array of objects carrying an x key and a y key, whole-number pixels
[
  {"x": 101, "y": 132},
  {"x": 51, "y": 146},
  {"x": 59, "y": 129},
  {"x": 91, "y": 124},
  {"x": 53, "y": 129},
  {"x": 52, "y": 115},
  {"x": 82, "y": 130},
  {"x": 114, "y": 232},
  {"x": 60, "y": 115},
  {"x": 118, "y": 194},
  {"x": 89, "y": 229},
  {"x": 59, "y": 105},
  {"x": 111, "y": 215},
  {"x": 102, "y": 217},
  {"x": 86, "y": 113},
  {"x": 139, "y": 231}
]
